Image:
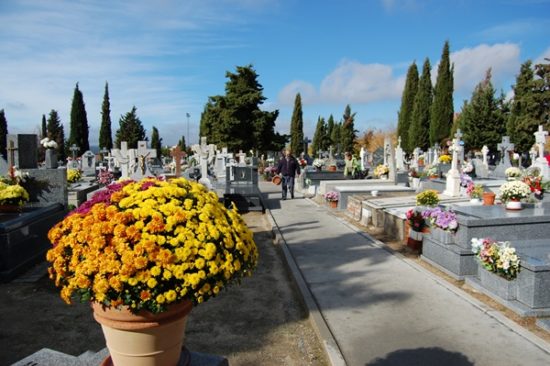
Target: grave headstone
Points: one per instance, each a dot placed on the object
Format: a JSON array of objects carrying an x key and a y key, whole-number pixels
[
  {"x": 378, "y": 156},
  {"x": 416, "y": 155},
  {"x": 122, "y": 159},
  {"x": 541, "y": 162},
  {"x": 485, "y": 152},
  {"x": 390, "y": 158},
  {"x": 24, "y": 151},
  {"x": 141, "y": 157},
  {"x": 242, "y": 158},
  {"x": 3, "y": 166},
  {"x": 452, "y": 187},
  {"x": 177, "y": 154},
  {"x": 73, "y": 162},
  {"x": 88, "y": 164},
  {"x": 504, "y": 147}
]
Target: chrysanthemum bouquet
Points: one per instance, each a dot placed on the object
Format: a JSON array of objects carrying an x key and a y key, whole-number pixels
[
  {"x": 381, "y": 169},
  {"x": 443, "y": 219},
  {"x": 13, "y": 194},
  {"x": 149, "y": 244},
  {"x": 73, "y": 175},
  {"x": 512, "y": 172},
  {"x": 331, "y": 196},
  {"x": 428, "y": 197},
  {"x": 514, "y": 190},
  {"x": 445, "y": 159},
  {"x": 497, "y": 257},
  {"x": 318, "y": 163},
  {"x": 48, "y": 144}
]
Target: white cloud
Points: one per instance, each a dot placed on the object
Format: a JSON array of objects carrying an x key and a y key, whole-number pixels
[
  {"x": 471, "y": 64},
  {"x": 350, "y": 82}
]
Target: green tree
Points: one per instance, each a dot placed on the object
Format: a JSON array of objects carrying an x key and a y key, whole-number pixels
[
  {"x": 530, "y": 105},
  {"x": 336, "y": 137},
  {"x": 79, "y": 122},
  {"x": 235, "y": 119},
  {"x": 105, "y": 132},
  {"x": 481, "y": 120},
  {"x": 407, "y": 103},
  {"x": 297, "y": 127},
  {"x": 131, "y": 130},
  {"x": 348, "y": 132},
  {"x": 3, "y": 134},
  {"x": 330, "y": 130},
  {"x": 420, "y": 126},
  {"x": 44, "y": 132},
  {"x": 56, "y": 133},
  {"x": 442, "y": 111},
  {"x": 181, "y": 143},
  {"x": 318, "y": 136},
  {"x": 156, "y": 142}
]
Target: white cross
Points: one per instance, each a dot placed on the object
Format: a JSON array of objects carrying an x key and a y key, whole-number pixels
[
  {"x": 540, "y": 139},
  {"x": 143, "y": 154},
  {"x": 485, "y": 151},
  {"x": 122, "y": 158}
]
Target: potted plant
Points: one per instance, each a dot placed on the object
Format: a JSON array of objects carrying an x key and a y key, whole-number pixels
[
  {"x": 475, "y": 192},
  {"x": 147, "y": 251},
  {"x": 429, "y": 198},
  {"x": 381, "y": 171},
  {"x": 73, "y": 175},
  {"x": 50, "y": 154},
  {"x": 512, "y": 173},
  {"x": 499, "y": 266},
  {"x": 414, "y": 178},
  {"x": 415, "y": 224},
  {"x": 511, "y": 193},
  {"x": 332, "y": 198},
  {"x": 318, "y": 164},
  {"x": 445, "y": 159},
  {"x": 12, "y": 194}
]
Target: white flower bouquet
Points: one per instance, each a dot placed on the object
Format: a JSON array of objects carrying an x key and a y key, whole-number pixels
[
  {"x": 512, "y": 172},
  {"x": 48, "y": 144},
  {"x": 514, "y": 190}
]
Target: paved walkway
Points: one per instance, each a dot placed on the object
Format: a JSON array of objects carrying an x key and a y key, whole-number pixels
[{"x": 372, "y": 307}]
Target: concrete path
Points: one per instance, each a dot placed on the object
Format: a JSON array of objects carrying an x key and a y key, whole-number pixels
[{"x": 372, "y": 307}]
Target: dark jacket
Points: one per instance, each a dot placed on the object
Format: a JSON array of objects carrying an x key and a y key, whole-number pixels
[{"x": 288, "y": 168}]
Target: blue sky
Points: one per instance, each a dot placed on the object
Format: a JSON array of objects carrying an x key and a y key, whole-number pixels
[{"x": 167, "y": 57}]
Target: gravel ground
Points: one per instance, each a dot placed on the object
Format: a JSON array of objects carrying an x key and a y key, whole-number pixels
[{"x": 260, "y": 322}]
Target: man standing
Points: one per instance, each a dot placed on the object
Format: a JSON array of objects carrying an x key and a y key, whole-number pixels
[{"x": 288, "y": 168}]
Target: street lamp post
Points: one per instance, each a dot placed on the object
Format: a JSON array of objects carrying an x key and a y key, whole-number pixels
[{"x": 187, "y": 142}]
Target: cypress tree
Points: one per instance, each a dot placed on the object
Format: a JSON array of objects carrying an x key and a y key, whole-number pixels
[
  {"x": 44, "y": 128},
  {"x": 318, "y": 136},
  {"x": 56, "y": 133},
  {"x": 3, "y": 134},
  {"x": 156, "y": 142},
  {"x": 79, "y": 122},
  {"x": 419, "y": 131},
  {"x": 442, "y": 111},
  {"x": 181, "y": 144},
  {"x": 348, "y": 132},
  {"x": 407, "y": 103},
  {"x": 336, "y": 137},
  {"x": 105, "y": 133},
  {"x": 297, "y": 127},
  {"x": 330, "y": 129},
  {"x": 481, "y": 121},
  {"x": 131, "y": 129}
]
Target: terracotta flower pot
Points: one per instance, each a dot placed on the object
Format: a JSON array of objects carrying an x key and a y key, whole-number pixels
[
  {"x": 333, "y": 204},
  {"x": 489, "y": 198},
  {"x": 332, "y": 168},
  {"x": 143, "y": 339}
]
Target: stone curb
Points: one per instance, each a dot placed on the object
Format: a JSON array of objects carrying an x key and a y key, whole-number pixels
[{"x": 330, "y": 345}]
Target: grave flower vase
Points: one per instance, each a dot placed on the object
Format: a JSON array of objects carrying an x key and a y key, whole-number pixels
[
  {"x": 497, "y": 285},
  {"x": 489, "y": 198},
  {"x": 331, "y": 168},
  {"x": 51, "y": 159},
  {"x": 514, "y": 205},
  {"x": 144, "y": 339},
  {"x": 442, "y": 236}
]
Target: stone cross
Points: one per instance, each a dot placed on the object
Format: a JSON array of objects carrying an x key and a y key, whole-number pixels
[
  {"x": 74, "y": 162},
  {"x": 435, "y": 155},
  {"x": 505, "y": 147},
  {"x": 416, "y": 155},
  {"x": 387, "y": 150},
  {"x": 399, "y": 156},
  {"x": 485, "y": 152},
  {"x": 540, "y": 140},
  {"x": 11, "y": 156},
  {"x": 452, "y": 186},
  {"x": 242, "y": 157},
  {"x": 362, "y": 158},
  {"x": 177, "y": 154},
  {"x": 144, "y": 154},
  {"x": 122, "y": 158}
]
